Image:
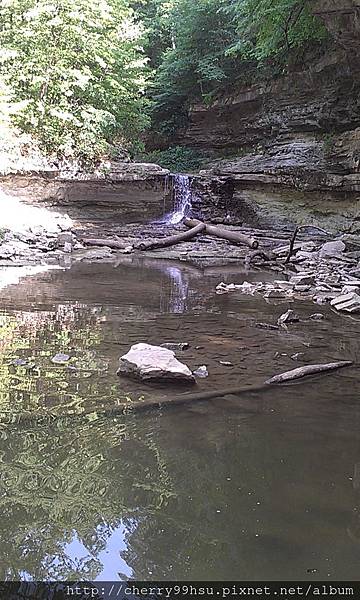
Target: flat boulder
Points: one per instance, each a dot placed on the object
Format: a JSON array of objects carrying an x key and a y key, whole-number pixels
[
  {"x": 147, "y": 362},
  {"x": 332, "y": 249}
]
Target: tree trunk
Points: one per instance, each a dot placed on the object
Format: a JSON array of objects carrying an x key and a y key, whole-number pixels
[
  {"x": 232, "y": 236},
  {"x": 307, "y": 370},
  {"x": 172, "y": 239},
  {"x": 110, "y": 243}
]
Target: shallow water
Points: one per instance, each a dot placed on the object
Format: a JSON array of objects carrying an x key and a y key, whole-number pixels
[{"x": 261, "y": 486}]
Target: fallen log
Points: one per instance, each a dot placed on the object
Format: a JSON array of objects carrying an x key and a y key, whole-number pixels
[
  {"x": 109, "y": 242},
  {"x": 149, "y": 405},
  {"x": 172, "y": 239},
  {"x": 232, "y": 236},
  {"x": 307, "y": 370}
]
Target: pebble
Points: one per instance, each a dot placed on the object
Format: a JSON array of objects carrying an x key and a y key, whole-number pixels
[{"x": 201, "y": 372}]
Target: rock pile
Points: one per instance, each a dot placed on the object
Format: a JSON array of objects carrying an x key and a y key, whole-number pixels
[{"x": 325, "y": 274}]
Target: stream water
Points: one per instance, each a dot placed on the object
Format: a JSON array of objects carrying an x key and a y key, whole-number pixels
[{"x": 261, "y": 486}]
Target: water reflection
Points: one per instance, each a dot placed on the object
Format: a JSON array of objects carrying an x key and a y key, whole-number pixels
[
  {"x": 242, "y": 488},
  {"x": 179, "y": 289}
]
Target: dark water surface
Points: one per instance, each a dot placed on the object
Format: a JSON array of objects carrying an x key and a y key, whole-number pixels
[{"x": 254, "y": 487}]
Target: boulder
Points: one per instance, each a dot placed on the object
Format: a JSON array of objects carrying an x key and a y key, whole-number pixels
[
  {"x": 332, "y": 248},
  {"x": 153, "y": 362},
  {"x": 302, "y": 279}
]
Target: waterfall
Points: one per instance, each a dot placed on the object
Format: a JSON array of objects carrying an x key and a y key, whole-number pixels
[{"x": 181, "y": 199}]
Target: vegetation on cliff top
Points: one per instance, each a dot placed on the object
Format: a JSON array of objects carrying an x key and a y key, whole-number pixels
[{"x": 84, "y": 80}]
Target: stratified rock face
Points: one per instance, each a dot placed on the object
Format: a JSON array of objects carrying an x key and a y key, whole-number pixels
[
  {"x": 153, "y": 362},
  {"x": 293, "y": 144},
  {"x": 301, "y": 130}
]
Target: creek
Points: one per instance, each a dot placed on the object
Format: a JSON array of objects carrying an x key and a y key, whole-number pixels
[{"x": 257, "y": 487}]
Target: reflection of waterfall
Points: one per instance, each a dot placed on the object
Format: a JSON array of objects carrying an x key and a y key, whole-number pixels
[
  {"x": 181, "y": 199},
  {"x": 176, "y": 302}
]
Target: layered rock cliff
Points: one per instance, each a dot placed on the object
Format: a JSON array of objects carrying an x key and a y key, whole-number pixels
[{"x": 299, "y": 131}]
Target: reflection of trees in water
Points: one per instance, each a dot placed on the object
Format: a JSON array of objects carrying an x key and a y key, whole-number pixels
[
  {"x": 87, "y": 479},
  {"x": 35, "y": 337}
]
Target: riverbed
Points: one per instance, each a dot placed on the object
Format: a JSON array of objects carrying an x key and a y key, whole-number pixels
[{"x": 261, "y": 486}]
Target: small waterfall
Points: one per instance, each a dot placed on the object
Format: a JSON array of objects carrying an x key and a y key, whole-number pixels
[{"x": 181, "y": 199}]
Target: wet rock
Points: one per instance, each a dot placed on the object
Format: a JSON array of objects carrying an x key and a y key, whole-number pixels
[
  {"x": 153, "y": 362},
  {"x": 176, "y": 346},
  {"x": 201, "y": 372},
  {"x": 276, "y": 294},
  {"x": 317, "y": 317},
  {"x": 347, "y": 302},
  {"x": 60, "y": 358},
  {"x": 226, "y": 363},
  {"x": 332, "y": 248},
  {"x": 288, "y": 317},
  {"x": 302, "y": 280}
]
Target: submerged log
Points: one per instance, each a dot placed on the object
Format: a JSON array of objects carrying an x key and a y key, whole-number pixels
[
  {"x": 149, "y": 405},
  {"x": 172, "y": 239},
  {"x": 231, "y": 236},
  {"x": 307, "y": 370}
]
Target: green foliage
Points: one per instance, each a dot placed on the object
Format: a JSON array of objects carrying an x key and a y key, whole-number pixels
[
  {"x": 74, "y": 74},
  {"x": 217, "y": 44},
  {"x": 176, "y": 159},
  {"x": 84, "y": 80},
  {"x": 272, "y": 28}
]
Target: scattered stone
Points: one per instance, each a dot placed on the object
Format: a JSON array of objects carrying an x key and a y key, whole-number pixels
[
  {"x": 245, "y": 288},
  {"x": 297, "y": 355},
  {"x": 153, "y": 362},
  {"x": 60, "y": 358},
  {"x": 67, "y": 247},
  {"x": 317, "y": 317},
  {"x": 348, "y": 289},
  {"x": 288, "y": 317},
  {"x": 226, "y": 363},
  {"x": 201, "y": 372},
  {"x": 64, "y": 238},
  {"x": 284, "y": 284},
  {"x": 302, "y": 288},
  {"x": 332, "y": 249},
  {"x": 176, "y": 346},
  {"x": 299, "y": 279},
  {"x": 347, "y": 302},
  {"x": 275, "y": 294}
]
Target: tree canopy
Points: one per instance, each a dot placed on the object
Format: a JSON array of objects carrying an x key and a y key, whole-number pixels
[{"x": 85, "y": 79}]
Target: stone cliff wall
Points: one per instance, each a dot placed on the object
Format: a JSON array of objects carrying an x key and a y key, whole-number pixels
[
  {"x": 300, "y": 131},
  {"x": 117, "y": 192}
]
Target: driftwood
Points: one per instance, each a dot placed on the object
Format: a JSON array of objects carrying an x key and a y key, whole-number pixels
[
  {"x": 232, "y": 236},
  {"x": 149, "y": 405},
  {"x": 109, "y": 242},
  {"x": 307, "y": 370},
  {"x": 172, "y": 239},
  {"x": 293, "y": 239}
]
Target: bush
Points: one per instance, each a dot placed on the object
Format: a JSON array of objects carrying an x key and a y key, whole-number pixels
[{"x": 177, "y": 159}]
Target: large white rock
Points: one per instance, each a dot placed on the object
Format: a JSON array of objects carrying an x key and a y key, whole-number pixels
[
  {"x": 332, "y": 248},
  {"x": 153, "y": 362}
]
